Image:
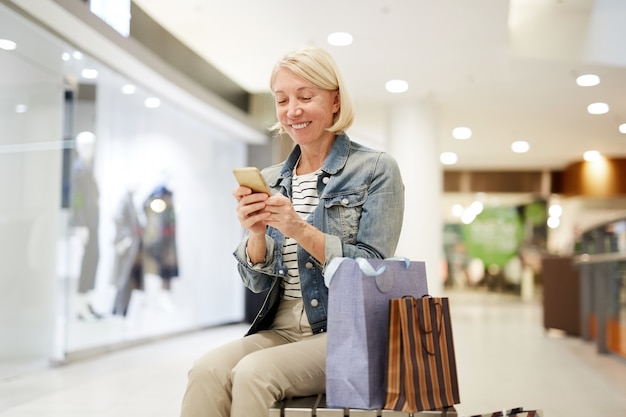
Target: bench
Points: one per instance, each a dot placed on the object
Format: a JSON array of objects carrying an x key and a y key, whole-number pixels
[{"x": 315, "y": 406}]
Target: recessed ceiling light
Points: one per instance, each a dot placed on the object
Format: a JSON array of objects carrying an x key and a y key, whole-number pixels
[
  {"x": 520, "y": 146},
  {"x": 77, "y": 55},
  {"x": 7, "y": 45},
  {"x": 339, "y": 39},
  {"x": 89, "y": 73},
  {"x": 592, "y": 156},
  {"x": 598, "y": 108},
  {"x": 21, "y": 108},
  {"x": 152, "y": 102},
  {"x": 588, "y": 80},
  {"x": 462, "y": 133},
  {"x": 622, "y": 128},
  {"x": 65, "y": 56},
  {"x": 448, "y": 158},
  {"x": 396, "y": 86},
  {"x": 129, "y": 89}
]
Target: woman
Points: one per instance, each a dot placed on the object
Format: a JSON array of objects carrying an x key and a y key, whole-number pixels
[{"x": 331, "y": 198}]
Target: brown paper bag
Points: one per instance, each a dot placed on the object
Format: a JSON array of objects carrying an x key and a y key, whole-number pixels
[{"x": 421, "y": 366}]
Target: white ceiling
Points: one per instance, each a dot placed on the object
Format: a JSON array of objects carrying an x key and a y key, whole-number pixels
[{"x": 506, "y": 69}]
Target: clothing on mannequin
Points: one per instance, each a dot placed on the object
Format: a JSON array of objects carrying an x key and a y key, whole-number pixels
[
  {"x": 159, "y": 240},
  {"x": 128, "y": 262},
  {"x": 85, "y": 219}
]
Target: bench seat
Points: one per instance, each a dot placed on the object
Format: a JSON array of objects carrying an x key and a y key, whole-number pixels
[{"x": 315, "y": 406}]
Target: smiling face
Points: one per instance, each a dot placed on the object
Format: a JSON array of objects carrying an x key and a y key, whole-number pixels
[{"x": 304, "y": 111}]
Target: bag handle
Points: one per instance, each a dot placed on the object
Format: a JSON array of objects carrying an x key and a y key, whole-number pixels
[
  {"x": 365, "y": 266},
  {"x": 438, "y": 309}
]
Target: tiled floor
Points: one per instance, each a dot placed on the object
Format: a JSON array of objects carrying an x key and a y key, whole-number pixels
[{"x": 505, "y": 360}]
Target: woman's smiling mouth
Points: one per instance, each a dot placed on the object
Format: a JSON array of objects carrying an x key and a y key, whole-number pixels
[{"x": 300, "y": 125}]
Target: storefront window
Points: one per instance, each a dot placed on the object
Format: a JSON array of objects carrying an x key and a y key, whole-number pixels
[{"x": 117, "y": 222}]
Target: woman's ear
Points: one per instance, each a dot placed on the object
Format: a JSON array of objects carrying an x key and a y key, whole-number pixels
[{"x": 337, "y": 102}]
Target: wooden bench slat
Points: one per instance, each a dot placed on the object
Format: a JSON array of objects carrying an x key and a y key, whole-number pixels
[{"x": 315, "y": 406}]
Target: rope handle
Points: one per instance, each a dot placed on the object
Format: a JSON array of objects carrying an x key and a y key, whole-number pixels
[
  {"x": 365, "y": 266},
  {"x": 439, "y": 321}
]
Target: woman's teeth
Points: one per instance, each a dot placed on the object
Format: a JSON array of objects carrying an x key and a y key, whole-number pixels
[{"x": 300, "y": 125}]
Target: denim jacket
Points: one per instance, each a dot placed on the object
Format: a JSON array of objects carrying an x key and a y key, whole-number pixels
[{"x": 360, "y": 212}]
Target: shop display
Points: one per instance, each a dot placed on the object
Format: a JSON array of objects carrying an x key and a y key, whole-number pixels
[
  {"x": 159, "y": 239},
  {"x": 85, "y": 220},
  {"x": 128, "y": 242}
]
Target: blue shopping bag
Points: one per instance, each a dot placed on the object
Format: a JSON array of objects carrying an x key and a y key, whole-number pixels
[{"x": 358, "y": 325}]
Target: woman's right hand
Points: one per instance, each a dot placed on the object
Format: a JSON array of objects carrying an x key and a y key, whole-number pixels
[{"x": 251, "y": 211}]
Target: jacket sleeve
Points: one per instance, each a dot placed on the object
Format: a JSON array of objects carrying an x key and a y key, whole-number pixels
[{"x": 258, "y": 277}]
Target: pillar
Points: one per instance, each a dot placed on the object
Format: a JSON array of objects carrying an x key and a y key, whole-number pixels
[{"x": 412, "y": 141}]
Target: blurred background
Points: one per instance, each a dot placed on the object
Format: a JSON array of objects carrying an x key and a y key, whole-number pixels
[{"x": 122, "y": 121}]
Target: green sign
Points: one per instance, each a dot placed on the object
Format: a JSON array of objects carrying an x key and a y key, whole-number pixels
[{"x": 494, "y": 236}]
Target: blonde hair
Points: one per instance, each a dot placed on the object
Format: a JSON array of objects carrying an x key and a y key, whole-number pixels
[{"x": 318, "y": 67}]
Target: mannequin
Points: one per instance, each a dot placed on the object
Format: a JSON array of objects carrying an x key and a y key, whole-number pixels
[
  {"x": 128, "y": 269},
  {"x": 85, "y": 220}
]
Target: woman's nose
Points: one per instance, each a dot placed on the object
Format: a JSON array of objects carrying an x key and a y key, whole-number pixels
[{"x": 294, "y": 111}]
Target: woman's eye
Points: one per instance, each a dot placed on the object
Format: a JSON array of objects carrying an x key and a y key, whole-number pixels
[{"x": 306, "y": 98}]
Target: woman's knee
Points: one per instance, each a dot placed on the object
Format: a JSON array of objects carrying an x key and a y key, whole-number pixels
[
  {"x": 209, "y": 366},
  {"x": 248, "y": 366},
  {"x": 254, "y": 369}
]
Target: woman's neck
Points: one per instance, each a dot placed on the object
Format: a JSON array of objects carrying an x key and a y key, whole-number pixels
[
  {"x": 312, "y": 157},
  {"x": 307, "y": 167}
]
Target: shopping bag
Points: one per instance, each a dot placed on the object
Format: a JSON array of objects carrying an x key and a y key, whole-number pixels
[
  {"x": 421, "y": 364},
  {"x": 358, "y": 326}
]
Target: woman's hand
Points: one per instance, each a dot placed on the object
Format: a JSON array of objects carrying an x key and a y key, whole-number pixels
[
  {"x": 251, "y": 209},
  {"x": 255, "y": 211},
  {"x": 283, "y": 216}
]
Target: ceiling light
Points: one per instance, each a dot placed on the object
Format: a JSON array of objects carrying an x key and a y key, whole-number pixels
[
  {"x": 448, "y": 158},
  {"x": 21, "y": 108},
  {"x": 77, "y": 55},
  {"x": 7, "y": 45},
  {"x": 396, "y": 86},
  {"x": 598, "y": 108},
  {"x": 520, "y": 146},
  {"x": 588, "y": 80},
  {"x": 622, "y": 128},
  {"x": 129, "y": 89},
  {"x": 89, "y": 73},
  {"x": 65, "y": 56},
  {"x": 462, "y": 133},
  {"x": 340, "y": 39},
  {"x": 152, "y": 102},
  {"x": 592, "y": 156}
]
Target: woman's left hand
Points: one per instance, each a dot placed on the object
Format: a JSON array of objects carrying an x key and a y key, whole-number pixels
[{"x": 283, "y": 216}]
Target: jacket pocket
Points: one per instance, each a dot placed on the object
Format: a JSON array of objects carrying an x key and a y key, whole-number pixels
[{"x": 344, "y": 213}]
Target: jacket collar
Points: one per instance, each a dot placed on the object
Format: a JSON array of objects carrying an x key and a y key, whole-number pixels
[{"x": 333, "y": 163}]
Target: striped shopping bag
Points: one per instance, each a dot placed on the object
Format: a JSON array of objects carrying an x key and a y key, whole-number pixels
[{"x": 421, "y": 366}]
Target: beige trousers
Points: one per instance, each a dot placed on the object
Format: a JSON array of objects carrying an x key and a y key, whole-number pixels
[{"x": 245, "y": 377}]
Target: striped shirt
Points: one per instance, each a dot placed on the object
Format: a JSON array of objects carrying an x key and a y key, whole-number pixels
[{"x": 304, "y": 200}]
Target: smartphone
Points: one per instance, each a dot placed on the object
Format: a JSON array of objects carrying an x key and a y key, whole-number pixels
[{"x": 251, "y": 177}]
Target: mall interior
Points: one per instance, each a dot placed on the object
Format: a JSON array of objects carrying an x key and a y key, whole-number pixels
[{"x": 118, "y": 227}]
